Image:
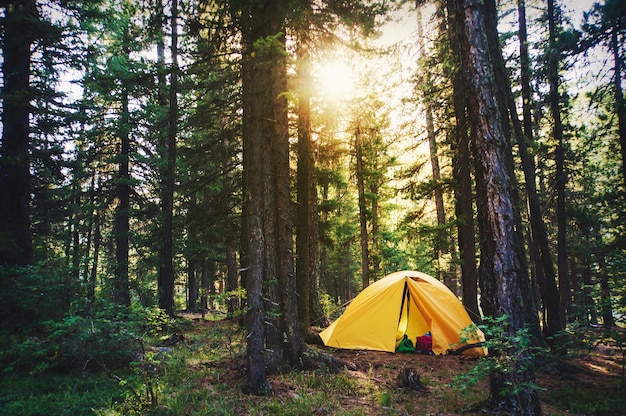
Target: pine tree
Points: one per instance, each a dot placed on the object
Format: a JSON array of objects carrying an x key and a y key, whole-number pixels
[
  {"x": 20, "y": 31},
  {"x": 505, "y": 286}
]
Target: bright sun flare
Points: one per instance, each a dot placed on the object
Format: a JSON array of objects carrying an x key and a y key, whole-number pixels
[{"x": 335, "y": 80}]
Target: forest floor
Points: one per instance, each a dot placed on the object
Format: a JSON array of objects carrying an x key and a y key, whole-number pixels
[
  {"x": 196, "y": 367},
  {"x": 591, "y": 381}
]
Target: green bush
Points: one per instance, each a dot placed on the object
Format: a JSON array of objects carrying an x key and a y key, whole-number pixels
[
  {"x": 30, "y": 295},
  {"x": 511, "y": 355},
  {"x": 110, "y": 338}
]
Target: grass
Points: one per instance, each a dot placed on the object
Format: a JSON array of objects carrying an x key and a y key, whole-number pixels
[
  {"x": 589, "y": 401},
  {"x": 203, "y": 376},
  {"x": 58, "y": 395}
]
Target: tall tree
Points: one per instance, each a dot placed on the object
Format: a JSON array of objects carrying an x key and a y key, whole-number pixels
[
  {"x": 123, "y": 190},
  {"x": 263, "y": 55},
  {"x": 552, "y": 68},
  {"x": 540, "y": 246},
  {"x": 307, "y": 275},
  {"x": 615, "y": 13},
  {"x": 461, "y": 171},
  {"x": 426, "y": 86},
  {"x": 166, "y": 270},
  {"x": 505, "y": 286},
  {"x": 267, "y": 197},
  {"x": 20, "y": 31},
  {"x": 360, "y": 179},
  {"x": 605, "y": 26}
]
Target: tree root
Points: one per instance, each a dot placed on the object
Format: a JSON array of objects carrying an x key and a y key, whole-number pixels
[{"x": 313, "y": 359}]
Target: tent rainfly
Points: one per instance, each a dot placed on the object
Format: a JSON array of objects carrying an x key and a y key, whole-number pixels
[{"x": 403, "y": 303}]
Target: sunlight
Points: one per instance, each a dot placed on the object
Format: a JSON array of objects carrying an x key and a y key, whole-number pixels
[{"x": 335, "y": 80}]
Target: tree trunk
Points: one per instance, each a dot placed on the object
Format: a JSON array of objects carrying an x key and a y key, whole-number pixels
[
  {"x": 505, "y": 286},
  {"x": 440, "y": 238},
  {"x": 232, "y": 279},
  {"x": 559, "y": 156},
  {"x": 204, "y": 286},
  {"x": 376, "y": 249},
  {"x": 608, "y": 321},
  {"x": 540, "y": 245},
  {"x": 77, "y": 253},
  {"x": 91, "y": 288},
  {"x": 325, "y": 280},
  {"x": 19, "y": 33},
  {"x": 304, "y": 185},
  {"x": 166, "y": 272},
  {"x": 232, "y": 272},
  {"x": 307, "y": 247},
  {"x": 97, "y": 242},
  {"x": 620, "y": 108},
  {"x": 122, "y": 220},
  {"x": 461, "y": 171},
  {"x": 358, "y": 147},
  {"x": 192, "y": 286},
  {"x": 253, "y": 206},
  {"x": 589, "y": 308}
]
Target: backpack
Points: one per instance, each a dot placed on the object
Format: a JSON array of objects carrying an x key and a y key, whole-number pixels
[
  {"x": 405, "y": 345},
  {"x": 424, "y": 344}
]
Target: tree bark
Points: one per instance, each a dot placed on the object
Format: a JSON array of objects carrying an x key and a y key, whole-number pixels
[
  {"x": 279, "y": 150},
  {"x": 440, "y": 238},
  {"x": 20, "y": 32},
  {"x": 304, "y": 180},
  {"x": 461, "y": 164},
  {"x": 254, "y": 93},
  {"x": 204, "y": 285},
  {"x": 166, "y": 272},
  {"x": 620, "y": 107},
  {"x": 559, "y": 156},
  {"x": 589, "y": 307},
  {"x": 608, "y": 320},
  {"x": 192, "y": 286},
  {"x": 540, "y": 244},
  {"x": 307, "y": 248},
  {"x": 461, "y": 171},
  {"x": 122, "y": 212},
  {"x": 360, "y": 178},
  {"x": 97, "y": 242},
  {"x": 505, "y": 286}
]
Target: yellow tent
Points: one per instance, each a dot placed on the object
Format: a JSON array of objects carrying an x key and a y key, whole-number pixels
[{"x": 405, "y": 302}]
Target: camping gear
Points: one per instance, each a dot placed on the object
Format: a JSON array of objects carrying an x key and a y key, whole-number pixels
[
  {"x": 405, "y": 345},
  {"x": 403, "y": 303},
  {"x": 424, "y": 344}
]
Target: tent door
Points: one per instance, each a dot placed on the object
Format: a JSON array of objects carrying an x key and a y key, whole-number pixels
[
  {"x": 411, "y": 322},
  {"x": 403, "y": 319}
]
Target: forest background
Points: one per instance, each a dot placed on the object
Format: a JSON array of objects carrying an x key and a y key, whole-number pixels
[{"x": 140, "y": 177}]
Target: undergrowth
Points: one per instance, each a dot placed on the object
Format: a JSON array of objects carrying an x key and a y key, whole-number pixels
[{"x": 199, "y": 371}]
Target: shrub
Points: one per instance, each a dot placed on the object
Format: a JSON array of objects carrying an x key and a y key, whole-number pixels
[
  {"x": 513, "y": 355},
  {"x": 110, "y": 338}
]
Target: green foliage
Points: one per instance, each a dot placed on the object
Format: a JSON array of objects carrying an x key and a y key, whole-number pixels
[
  {"x": 57, "y": 395},
  {"x": 35, "y": 293},
  {"x": 385, "y": 399},
  {"x": 510, "y": 356},
  {"x": 109, "y": 338},
  {"x": 596, "y": 401},
  {"x": 270, "y": 46}
]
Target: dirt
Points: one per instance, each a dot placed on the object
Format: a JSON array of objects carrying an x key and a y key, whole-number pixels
[{"x": 597, "y": 372}]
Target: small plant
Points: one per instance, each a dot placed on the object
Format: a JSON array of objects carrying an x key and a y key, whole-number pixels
[
  {"x": 385, "y": 399},
  {"x": 508, "y": 355}
]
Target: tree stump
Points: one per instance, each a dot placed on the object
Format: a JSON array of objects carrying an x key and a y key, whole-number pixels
[{"x": 410, "y": 378}]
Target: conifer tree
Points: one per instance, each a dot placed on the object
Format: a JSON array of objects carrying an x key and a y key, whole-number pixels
[
  {"x": 20, "y": 32},
  {"x": 505, "y": 285}
]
